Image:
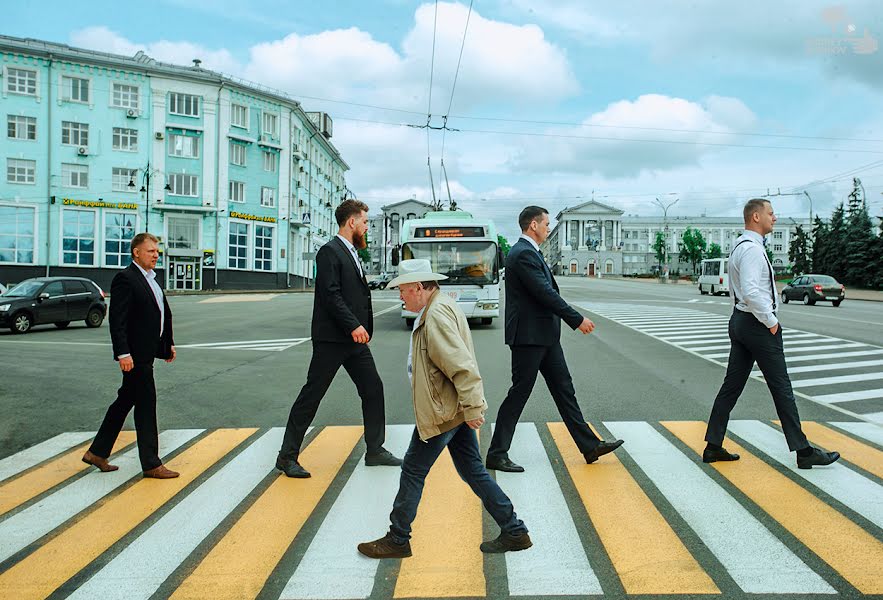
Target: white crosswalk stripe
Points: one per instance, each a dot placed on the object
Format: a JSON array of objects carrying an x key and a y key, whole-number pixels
[
  {"x": 705, "y": 335},
  {"x": 261, "y": 345}
]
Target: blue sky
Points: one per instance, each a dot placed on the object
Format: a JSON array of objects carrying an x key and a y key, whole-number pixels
[{"x": 646, "y": 99}]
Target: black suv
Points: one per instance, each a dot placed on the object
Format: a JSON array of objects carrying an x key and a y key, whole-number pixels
[{"x": 57, "y": 300}]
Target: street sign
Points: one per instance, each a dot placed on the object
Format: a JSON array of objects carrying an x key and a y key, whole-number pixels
[{"x": 309, "y": 256}]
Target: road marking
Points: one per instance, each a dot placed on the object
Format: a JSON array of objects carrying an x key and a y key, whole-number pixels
[
  {"x": 795, "y": 350},
  {"x": 557, "y": 563},
  {"x": 331, "y": 567},
  {"x": 835, "y": 366},
  {"x": 238, "y": 298},
  {"x": 240, "y": 564},
  {"x": 27, "y": 458},
  {"x": 836, "y": 380},
  {"x": 65, "y": 555},
  {"x": 757, "y": 561},
  {"x": 791, "y": 359},
  {"x": 850, "y": 396},
  {"x": 861, "y": 455},
  {"x": 843, "y": 484},
  {"x": 849, "y": 549},
  {"x": 866, "y": 431},
  {"x": 626, "y": 520},
  {"x": 33, "y": 483},
  {"x": 32, "y": 523},
  {"x": 446, "y": 561}
]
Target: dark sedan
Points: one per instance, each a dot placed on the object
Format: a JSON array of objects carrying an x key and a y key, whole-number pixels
[
  {"x": 810, "y": 289},
  {"x": 57, "y": 300},
  {"x": 380, "y": 282}
]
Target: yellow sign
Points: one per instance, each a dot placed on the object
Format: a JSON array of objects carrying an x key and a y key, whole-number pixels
[
  {"x": 238, "y": 215},
  {"x": 99, "y": 204}
]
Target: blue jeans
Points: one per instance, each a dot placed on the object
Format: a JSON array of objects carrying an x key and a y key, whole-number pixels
[{"x": 463, "y": 446}]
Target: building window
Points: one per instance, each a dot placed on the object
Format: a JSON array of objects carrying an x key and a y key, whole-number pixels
[
  {"x": 21, "y": 81},
  {"x": 263, "y": 248},
  {"x": 269, "y": 123},
  {"x": 20, "y": 171},
  {"x": 183, "y": 104},
  {"x": 237, "y": 154},
  {"x": 21, "y": 128},
  {"x": 125, "y": 140},
  {"x": 608, "y": 266},
  {"x": 183, "y": 233},
  {"x": 16, "y": 234},
  {"x": 184, "y": 185},
  {"x": 239, "y": 116},
  {"x": 78, "y": 241},
  {"x": 74, "y": 134},
  {"x": 75, "y": 176},
  {"x": 124, "y": 96},
  {"x": 237, "y": 246},
  {"x": 237, "y": 191},
  {"x": 777, "y": 235},
  {"x": 75, "y": 89},
  {"x": 268, "y": 197},
  {"x": 777, "y": 247},
  {"x": 121, "y": 178},
  {"x": 119, "y": 229},
  {"x": 270, "y": 162},
  {"x": 183, "y": 146}
]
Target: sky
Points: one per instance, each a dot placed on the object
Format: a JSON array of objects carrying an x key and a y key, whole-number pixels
[{"x": 554, "y": 102}]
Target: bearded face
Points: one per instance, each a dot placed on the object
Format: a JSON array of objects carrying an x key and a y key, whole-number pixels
[{"x": 360, "y": 240}]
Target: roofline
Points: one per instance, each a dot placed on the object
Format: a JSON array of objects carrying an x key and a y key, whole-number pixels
[{"x": 149, "y": 66}]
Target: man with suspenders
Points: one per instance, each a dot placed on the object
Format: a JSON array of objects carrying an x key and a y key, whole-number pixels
[{"x": 755, "y": 335}]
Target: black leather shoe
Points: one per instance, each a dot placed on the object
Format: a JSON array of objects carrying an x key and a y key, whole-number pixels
[
  {"x": 292, "y": 468},
  {"x": 385, "y": 547},
  {"x": 710, "y": 455},
  {"x": 818, "y": 458},
  {"x": 503, "y": 464},
  {"x": 382, "y": 458},
  {"x": 506, "y": 543},
  {"x": 602, "y": 449}
]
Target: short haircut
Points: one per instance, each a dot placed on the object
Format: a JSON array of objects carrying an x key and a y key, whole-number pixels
[
  {"x": 752, "y": 206},
  {"x": 349, "y": 208},
  {"x": 529, "y": 215},
  {"x": 140, "y": 239},
  {"x": 429, "y": 285}
]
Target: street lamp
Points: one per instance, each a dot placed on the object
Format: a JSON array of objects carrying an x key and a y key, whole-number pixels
[
  {"x": 665, "y": 208},
  {"x": 810, "y": 207},
  {"x": 145, "y": 188}
]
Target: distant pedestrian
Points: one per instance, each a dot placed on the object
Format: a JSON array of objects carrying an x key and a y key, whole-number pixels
[
  {"x": 449, "y": 406},
  {"x": 141, "y": 330},
  {"x": 756, "y": 335}
]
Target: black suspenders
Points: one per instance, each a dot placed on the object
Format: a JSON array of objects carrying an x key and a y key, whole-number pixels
[{"x": 772, "y": 278}]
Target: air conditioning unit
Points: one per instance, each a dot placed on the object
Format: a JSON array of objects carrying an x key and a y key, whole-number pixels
[
  {"x": 265, "y": 139},
  {"x": 132, "y": 113},
  {"x": 83, "y": 151},
  {"x": 159, "y": 135}
]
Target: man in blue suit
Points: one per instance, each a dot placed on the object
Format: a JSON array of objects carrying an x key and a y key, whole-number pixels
[{"x": 534, "y": 310}]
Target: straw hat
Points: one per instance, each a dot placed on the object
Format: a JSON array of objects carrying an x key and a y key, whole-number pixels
[{"x": 415, "y": 270}]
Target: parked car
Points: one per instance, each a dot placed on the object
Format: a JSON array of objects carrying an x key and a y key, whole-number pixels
[
  {"x": 380, "y": 282},
  {"x": 814, "y": 288},
  {"x": 57, "y": 300}
]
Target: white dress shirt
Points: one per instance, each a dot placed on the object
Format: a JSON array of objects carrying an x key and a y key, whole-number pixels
[
  {"x": 411, "y": 345},
  {"x": 531, "y": 241},
  {"x": 751, "y": 281},
  {"x": 150, "y": 276},
  {"x": 354, "y": 252}
]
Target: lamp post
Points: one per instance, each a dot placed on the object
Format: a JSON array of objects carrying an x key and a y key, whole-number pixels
[
  {"x": 665, "y": 208},
  {"x": 145, "y": 188}
]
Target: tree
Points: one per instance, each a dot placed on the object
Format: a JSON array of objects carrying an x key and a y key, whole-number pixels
[
  {"x": 659, "y": 248},
  {"x": 799, "y": 252},
  {"x": 692, "y": 247},
  {"x": 714, "y": 251},
  {"x": 836, "y": 241},
  {"x": 819, "y": 257},
  {"x": 859, "y": 255},
  {"x": 504, "y": 244}
]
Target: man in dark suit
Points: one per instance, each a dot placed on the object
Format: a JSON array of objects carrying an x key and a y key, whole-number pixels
[
  {"x": 534, "y": 310},
  {"x": 343, "y": 323},
  {"x": 141, "y": 330}
]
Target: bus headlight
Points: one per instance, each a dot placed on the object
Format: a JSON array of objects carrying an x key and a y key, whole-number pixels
[{"x": 489, "y": 305}]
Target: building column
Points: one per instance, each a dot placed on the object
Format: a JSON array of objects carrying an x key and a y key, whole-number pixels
[{"x": 603, "y": 234}]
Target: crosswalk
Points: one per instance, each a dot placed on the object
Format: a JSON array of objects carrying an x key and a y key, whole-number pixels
[
  {"x": 650, "y": 519},
  {"x": 826, "y": 369},
  {"x": 275, "y": 345}
]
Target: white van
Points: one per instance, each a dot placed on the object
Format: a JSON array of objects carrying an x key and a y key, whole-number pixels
[{"x": 713, "y": 276}]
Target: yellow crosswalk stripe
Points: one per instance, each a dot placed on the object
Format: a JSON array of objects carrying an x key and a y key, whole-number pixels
[
  {"x": 33, "y": 483},
  {"x": 42, "y": 572},
  {"x": 648, "y": 556},
  {"x": 861, "y": 455},
  {"x": 445, "y": 539},
  {"x": 239, "y": 565},
  {"x": 849, "y": 549}
]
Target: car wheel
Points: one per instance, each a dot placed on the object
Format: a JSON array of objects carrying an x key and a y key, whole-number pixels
[
  {"x": 382, "y": 286},
  {"x": 487, "y": 320},
  {"x": 21, "y": 322},
  {"x": 807, "y": 300},
  {"x": 836, "y": 303},
  {"x": 409, "y": 322},
  {"x": 784, "y": 298},
  {"x": 62, "y": 324},
  {"x": 94, "y": 318}
]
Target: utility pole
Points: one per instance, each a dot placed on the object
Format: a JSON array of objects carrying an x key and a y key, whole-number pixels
[{"x": 665, "y": 208}]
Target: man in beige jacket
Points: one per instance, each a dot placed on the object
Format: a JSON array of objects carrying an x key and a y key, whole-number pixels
[{"x": 449, "y": 406}]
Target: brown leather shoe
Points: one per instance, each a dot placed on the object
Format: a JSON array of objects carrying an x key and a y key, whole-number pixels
[
  {"x": 97, "y": 461},
  {"x": 161, "y": 472}
]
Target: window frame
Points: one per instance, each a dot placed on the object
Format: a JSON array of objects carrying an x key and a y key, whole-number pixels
[
  {"x": 233, "y": 122},
  {"x": 118, "y": 134},
  {"x": 124, "y": 252},
  {"x": 235, "y": 183},
  {"x": 265, "y": 114},
  {"x": 33, "y": 172},
  {"x": 68, "y": 170},
  {"x": 176, "y": 98},
  {"x": 8, "y": 78},
  {"x": 16, "y": 235},
  {"x": 244, "y": 151},
  {"x": 194, "y": 183},
  {"x": 268, "y": 192},
  {"x": 67, "y": 88},
  {"x": 133, "y": 176},
  {"x": 248, "y": 233},
  {"x": 113, "y": 93},
  {"x": 14, "y": 121},
  {"x": 94, "y": 238},
  {"x": 194, "y": 144},
  {"x": 72, "y": 127},
  {"x": 270, "y": 155},
  {"x": 269, "y": 255}
]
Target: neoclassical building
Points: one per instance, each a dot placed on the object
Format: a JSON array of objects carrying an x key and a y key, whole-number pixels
[
  {"x": 384, "y": 231},
  {"x": 586, "y": 240}
]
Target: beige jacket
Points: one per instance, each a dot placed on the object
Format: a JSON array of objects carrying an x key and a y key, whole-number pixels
[{"x": 445, "y": 383}]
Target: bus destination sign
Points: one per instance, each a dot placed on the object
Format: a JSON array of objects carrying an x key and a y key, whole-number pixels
[{"x": 448, "y": 232}]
